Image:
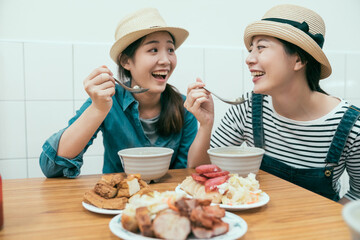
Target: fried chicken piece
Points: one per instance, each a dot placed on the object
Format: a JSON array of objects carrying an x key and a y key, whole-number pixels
[
  {"x": 105, "y": 190},
  {"x": 113, "y": 179},
  {"x": 113, "y": 203}
]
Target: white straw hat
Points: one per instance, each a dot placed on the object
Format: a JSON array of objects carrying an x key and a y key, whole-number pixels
[
  {"x": 297, "y": 25},
  {"x": 140, "y": 24}
]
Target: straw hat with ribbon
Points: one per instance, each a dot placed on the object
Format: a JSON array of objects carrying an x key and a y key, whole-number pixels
[
  {"x": 140, "y": 24},
  {"x": 297, "y": 25}
]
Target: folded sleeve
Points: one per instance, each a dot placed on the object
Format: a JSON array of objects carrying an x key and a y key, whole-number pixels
[{"x": 53, "y": 165}]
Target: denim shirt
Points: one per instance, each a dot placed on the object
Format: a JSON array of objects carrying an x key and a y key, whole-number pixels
[{"x": 121, "y": 129}]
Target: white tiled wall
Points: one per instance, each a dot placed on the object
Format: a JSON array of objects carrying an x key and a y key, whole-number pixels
[{"x": 41, "y": 88}]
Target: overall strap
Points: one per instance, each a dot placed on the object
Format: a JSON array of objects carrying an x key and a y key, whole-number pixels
[
  {"x": 341, "y": 134},
  {"x": 257, "y": 123}
]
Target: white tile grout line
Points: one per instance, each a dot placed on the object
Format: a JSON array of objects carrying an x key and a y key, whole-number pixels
[
  {"x": 25, "y": 115},
  {"x": 73, "y": 77},
  {"x": 345, "y": 76}
]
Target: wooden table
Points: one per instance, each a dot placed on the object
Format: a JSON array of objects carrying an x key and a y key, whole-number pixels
[{"x": 40, "y": 208}]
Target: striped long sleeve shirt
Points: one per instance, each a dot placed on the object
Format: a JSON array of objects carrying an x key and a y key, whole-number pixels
[{"x": 300, "y": 144}]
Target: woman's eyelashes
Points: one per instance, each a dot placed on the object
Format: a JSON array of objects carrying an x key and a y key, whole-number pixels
[
  {"x": 155, "y": 50},
  {"x": 259, "y": 47}
]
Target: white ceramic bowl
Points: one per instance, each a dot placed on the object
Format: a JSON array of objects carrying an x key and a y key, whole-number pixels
[
  {"x": 351, "y": 215},
  {"x": 240, "y": 160},
  {"x": 151, "y": 162}
]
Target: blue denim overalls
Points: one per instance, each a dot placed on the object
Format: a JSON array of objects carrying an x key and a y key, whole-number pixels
[{"x": 318, "y": 180}]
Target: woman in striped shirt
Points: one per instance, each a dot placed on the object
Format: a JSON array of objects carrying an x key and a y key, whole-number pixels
[{"x": 309, "y": 137}]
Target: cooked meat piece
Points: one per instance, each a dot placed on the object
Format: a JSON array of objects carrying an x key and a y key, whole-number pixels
[
  {"x": 105, "y": 190},
  {"x": 186, "y": 205},
  {"x": 205, "y": 233},
  {"x": 198, "y": 217},
  {"x": 123, "y": 192},
  {"x": 201, "y": 232},
  {"x": 170, "y": 225},
  {"x": 214, "y": 211},
  {"x": 129, "y": 223},
  {"x": 220, "y": 228},
  {"x": 207, "y": 168},
  {"x": 112, "y": 179},
  {"x": 113, "y": 203},
  {"x": 144, "y": 221}
]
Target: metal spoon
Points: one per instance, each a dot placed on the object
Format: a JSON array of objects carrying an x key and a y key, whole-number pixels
[
  {"x": 135, "y": 89},
  {"x": 236, "y": 101}
]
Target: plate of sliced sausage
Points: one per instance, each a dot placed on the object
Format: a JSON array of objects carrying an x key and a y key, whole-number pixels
[{"x": 237, "y": 228}]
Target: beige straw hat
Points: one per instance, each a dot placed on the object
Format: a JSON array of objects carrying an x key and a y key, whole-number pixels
[
  {"x": 139, "y": 24},
  {"x": 298, "y": 25}
]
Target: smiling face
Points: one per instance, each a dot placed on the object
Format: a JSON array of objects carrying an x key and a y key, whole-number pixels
[
  {"x": 153, "y": 62},
  {"x": 272, "y": 69}
]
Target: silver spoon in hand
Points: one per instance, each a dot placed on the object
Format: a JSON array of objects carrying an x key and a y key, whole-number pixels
[
  {"x": 236, "y": 101},
  {"x": 135, "y": 89}
]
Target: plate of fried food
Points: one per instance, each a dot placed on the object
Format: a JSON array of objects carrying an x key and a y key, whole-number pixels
[
  {"x": 230, "y": 191},
  {"x": 112, "y": 192},
  {"x": 170, "y": 215}
]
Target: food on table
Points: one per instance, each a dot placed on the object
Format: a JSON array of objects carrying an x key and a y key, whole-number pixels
[
  {"x": 112, "y": 203},
  {"x": 171, "y": 225},
  {"x": 210, "y": 182},
  {"x": 197, "y": 190},
  {"x": 154, "y": 202},
  {"x": 113, "y": 191},
  {"x": 170, "y": 215}
]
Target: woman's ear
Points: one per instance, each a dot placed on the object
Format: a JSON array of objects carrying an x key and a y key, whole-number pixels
[
  {"x": 124, "y": 62},
  {"x": 299, "y": 64}
]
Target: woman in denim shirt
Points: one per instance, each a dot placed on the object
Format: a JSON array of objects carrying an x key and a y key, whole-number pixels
[
  {"x": 310, "y": 138},
  {"x": 145, "y": 52}
]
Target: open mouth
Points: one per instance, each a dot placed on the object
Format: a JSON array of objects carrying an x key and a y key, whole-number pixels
[
  {"x": 257, "y": 74},
  {"x": 160, "y": 74}
]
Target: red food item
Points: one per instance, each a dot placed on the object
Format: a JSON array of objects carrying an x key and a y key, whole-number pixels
[
  {"x": 207, "y": 168},
  {"x": 216, "y": 174},
  {"x": 198, "y": 178},
  {"x": 212, "y": 183}
]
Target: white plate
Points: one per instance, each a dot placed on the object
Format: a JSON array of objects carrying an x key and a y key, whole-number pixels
[
  {"x": 237, "y": 228},
  {"x": 263, "y": 199},
  {"x": 94, "y": 209}
]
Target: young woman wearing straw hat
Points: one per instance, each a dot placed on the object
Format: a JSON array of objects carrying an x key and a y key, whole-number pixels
[
  {"x": 145, "y": 52},
  {"x": 309, "y": 137}
]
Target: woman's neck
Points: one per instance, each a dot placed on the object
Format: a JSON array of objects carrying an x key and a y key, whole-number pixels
[
  {"x": 303, "y": 104},
  {"x": 149, "y": 105}
]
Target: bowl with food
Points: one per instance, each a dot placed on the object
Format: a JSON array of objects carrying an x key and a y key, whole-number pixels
[
  {"x": 241, "y": 160},
  {"x": 151, "y": 163}
]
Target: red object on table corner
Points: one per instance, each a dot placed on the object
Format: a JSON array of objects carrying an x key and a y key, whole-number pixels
[{"x": 1, "y": 206}]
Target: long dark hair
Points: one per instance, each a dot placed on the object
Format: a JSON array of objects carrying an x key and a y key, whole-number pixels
[
  {"x": 171, "y": 118},
  {"x": 313, "y": 67}
]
